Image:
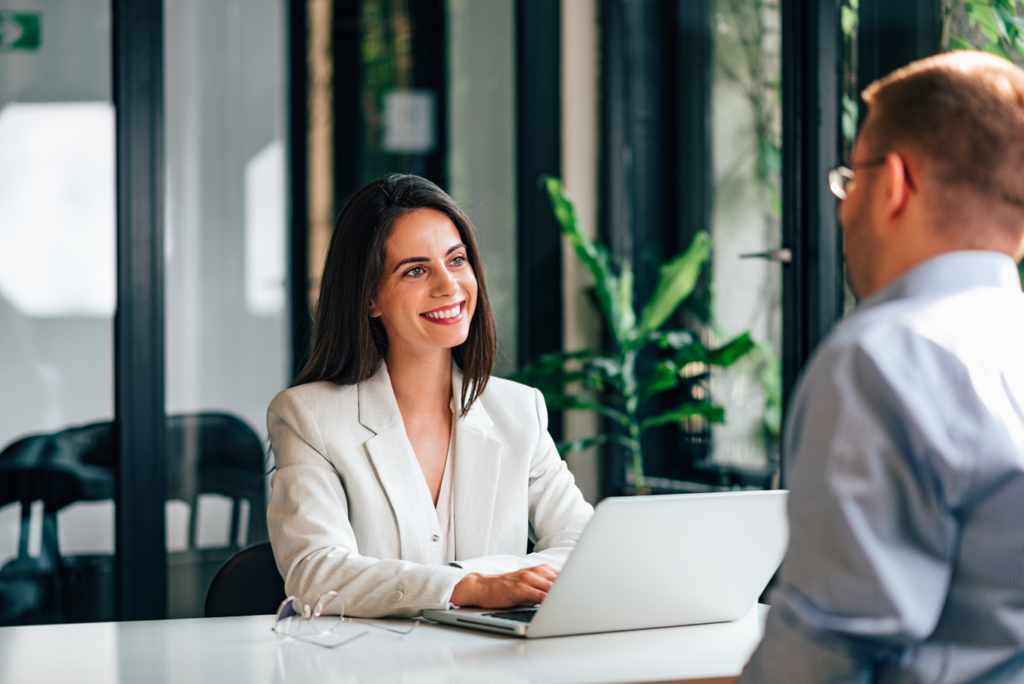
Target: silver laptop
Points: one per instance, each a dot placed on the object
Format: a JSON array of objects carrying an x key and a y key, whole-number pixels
[{"x": 654, "y": 561}]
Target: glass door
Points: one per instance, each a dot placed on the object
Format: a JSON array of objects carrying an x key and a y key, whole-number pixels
[
  {"x": 745, "y": 226},
  {"x": 227, "y": 329},
  {"x": 57, "y": 300}
]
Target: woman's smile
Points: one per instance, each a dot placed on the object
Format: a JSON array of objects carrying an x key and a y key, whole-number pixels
[{"x": 447, "y": 315}]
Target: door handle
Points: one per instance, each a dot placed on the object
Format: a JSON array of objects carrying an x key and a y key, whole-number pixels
[{"x": 779, "y": 256}]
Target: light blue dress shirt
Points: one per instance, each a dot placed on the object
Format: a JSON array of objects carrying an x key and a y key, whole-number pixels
[{"x": 905, "y": 460}]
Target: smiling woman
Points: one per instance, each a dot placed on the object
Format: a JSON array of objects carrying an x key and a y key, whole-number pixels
[
  {"x": 428, "y": 294},
  {"x": 400, "y": 482}
]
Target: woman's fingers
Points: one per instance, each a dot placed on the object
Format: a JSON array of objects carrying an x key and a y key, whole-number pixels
[
  {"x": 529, "y": 585},
  {"x": 531, "y": 597},
  {"x": 537, "y": 581},
  {"x": 545, "y": 571}
]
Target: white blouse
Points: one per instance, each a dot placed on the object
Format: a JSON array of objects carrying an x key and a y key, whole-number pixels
[{"x": 440, "y": 520}]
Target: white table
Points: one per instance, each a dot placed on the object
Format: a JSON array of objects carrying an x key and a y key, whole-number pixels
[{"x": 224, "y": 650}]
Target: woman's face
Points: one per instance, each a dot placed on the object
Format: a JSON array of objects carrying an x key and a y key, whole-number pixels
[{"x": 427, "y": 294}]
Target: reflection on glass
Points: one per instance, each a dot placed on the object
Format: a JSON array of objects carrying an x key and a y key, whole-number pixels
[
  {"x": 228, "y": 347},
  {"x": 57, "y": 298},
  {"x": 58, "y": 256},
  {"x": 747, "y": 155}
]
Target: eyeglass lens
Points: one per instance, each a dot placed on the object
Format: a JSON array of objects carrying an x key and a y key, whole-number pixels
[
  {"x": 289, "y": 617},
  {"x": 327, "y": 612},
  {"x": 839, "y": 180}
]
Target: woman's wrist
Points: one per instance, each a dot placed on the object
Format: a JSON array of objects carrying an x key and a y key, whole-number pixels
[{"x": 464, "y": 593}]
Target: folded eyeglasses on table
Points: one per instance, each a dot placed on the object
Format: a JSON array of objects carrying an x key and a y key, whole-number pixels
[{"x": 325, "y": 616}]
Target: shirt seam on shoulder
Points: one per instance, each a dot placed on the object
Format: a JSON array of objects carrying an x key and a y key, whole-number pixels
[{"x": 316, "y": 424}]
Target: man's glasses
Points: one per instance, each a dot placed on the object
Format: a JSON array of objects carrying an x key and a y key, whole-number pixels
[
  {"x": 325, "y": 616},
  {"x": 841, "y": 177}
]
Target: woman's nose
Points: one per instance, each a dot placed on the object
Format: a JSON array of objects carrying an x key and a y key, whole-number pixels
[{"x": 445, "y": 284}]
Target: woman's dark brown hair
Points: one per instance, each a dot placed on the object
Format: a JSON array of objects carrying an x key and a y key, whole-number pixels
[{"x": 348, "y": 344}]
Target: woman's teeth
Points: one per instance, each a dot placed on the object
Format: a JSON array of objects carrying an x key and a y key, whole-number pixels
[{"x": 446, "y": 313}]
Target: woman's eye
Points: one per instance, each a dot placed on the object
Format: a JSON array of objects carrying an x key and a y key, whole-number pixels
[
  {"x": 458, "y": 261},
  {"x": 414, "y": 271}
]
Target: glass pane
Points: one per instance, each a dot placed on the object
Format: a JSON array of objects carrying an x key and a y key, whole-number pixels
[
  {"x": 228, "y": 350},
  {"x": 57, "y": 298},
  {"x": 746, "y": 115}
]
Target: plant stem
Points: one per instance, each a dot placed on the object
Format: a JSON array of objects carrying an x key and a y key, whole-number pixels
[
  {"x": 638, "y": 457},
  {"x": 631, "y": 394}
]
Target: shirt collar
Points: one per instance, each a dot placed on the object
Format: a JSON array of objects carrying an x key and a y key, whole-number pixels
[{"x": 949, "y": 273}]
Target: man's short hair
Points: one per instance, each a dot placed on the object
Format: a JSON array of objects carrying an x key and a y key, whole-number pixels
[{"x": 964, "y": 113}]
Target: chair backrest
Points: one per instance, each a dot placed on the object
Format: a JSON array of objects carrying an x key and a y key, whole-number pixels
[
  {"x": 217, "y": 453},
  {"x": 211, "y": 453},
  {"x": 58, "y": 469},
  {"x": 247, "y": 584}
]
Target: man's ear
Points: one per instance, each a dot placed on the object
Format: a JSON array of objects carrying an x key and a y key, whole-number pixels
[{"x": 902, "y": 183}]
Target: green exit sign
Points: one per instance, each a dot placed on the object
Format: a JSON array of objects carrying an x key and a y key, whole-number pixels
[{"x": 19, "y": 30}]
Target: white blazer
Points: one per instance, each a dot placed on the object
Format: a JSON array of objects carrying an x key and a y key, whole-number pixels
[{"x": 344, "y": 512}]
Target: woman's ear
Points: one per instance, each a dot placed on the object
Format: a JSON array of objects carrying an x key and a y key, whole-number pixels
[{"x": 374, "y": 311}]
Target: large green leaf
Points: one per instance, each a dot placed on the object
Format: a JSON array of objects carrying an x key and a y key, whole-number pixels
[
  {"x": 983, "y": 16},
  {"x": 675, "y": 283},
  {"x": 958, "y": 42},
  {"x": 731, "y": 351},
  {"x": 664, "y": 376},
  {"x": 1004, "y": 21},
  {"x": 714, "y": 414},
  {"x": 625, "y": 317},
  {"x": 614, "y": 293},
  {"x": 695, "y": 351}
]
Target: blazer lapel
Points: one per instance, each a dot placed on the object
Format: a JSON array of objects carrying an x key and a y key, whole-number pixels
[
  {"x": 477, "y": 466},
  {"x": 395, "y": 463}
]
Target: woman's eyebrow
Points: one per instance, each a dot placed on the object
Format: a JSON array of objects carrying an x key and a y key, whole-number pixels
[{"x": 423, "y": 260}]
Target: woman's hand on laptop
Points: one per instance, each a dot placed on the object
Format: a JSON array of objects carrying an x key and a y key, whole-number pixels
[{"x": 526, "y": 586}]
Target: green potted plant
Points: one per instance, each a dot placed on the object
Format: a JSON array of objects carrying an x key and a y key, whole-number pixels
[{"x": 610, "y": 381}]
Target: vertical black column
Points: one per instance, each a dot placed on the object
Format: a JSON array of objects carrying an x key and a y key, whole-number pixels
[
  {"x": 893, "y": 34},
  {"x": 298, "y": 167},
  {"x": 812, "y": 284},
  {"x": 539, "y": 144},
  {"x": 141, "y": 565},
  {"x": 690, "y": 167},
  {"x": 639, "y": 169}
]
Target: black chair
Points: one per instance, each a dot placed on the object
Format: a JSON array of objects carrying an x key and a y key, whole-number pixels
[
  {"x": 211, "y": 453},
  {"x": 57, "y": 470},
  {"x": 207, "y": 453},
  {"x": 248, "y": 584}
]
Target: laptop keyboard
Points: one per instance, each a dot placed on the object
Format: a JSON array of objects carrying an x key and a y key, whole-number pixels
[{"x": 522, "y": 615}]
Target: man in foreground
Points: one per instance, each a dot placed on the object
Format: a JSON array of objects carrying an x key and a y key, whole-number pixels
[{"x": 905, "y": 443}]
